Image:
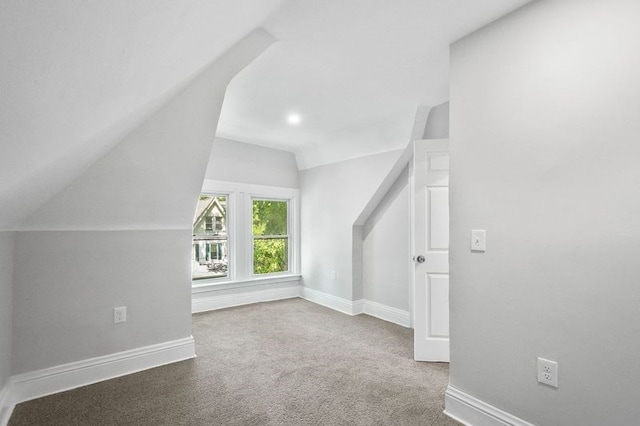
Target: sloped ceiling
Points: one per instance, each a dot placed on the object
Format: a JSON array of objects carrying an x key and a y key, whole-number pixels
[
  {"x": 355, "y": 71},
  {"x": 152, "y": 177},
  {"x": 76, "y": 76}
]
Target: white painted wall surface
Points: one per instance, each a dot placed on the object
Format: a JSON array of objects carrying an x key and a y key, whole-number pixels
[
  {"x": 437, "y": 126},
  {"x": 120, "y": 235},
  {"x": 7, "y": 240},
  {"x": 234, "y": 161},
  {"x": 385, "y": 249},
  {"x": 544, "y": 156},
  {"x": 67, "y": 284},
  {"x": 332, "y": 197}
]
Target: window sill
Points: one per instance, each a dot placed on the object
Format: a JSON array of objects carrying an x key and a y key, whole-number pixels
[{"x": 205, "y": 287}]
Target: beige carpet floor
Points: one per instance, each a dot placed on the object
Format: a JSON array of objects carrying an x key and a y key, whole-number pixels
[{"x": 289, "y": 362}]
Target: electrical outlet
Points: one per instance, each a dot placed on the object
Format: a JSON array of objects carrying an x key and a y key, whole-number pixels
[
  {"x": 119, "y": 314},
  {"x": 548, "y": 372},
  {"x": 333, "y": 275}
]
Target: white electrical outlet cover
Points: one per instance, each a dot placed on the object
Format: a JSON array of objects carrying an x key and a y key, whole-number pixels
[
  {"x": 548, "y": 372},
  {"x": 119, "y": 314}
]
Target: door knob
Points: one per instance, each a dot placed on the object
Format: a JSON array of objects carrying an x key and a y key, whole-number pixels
[{"x": 419, "y": 259}]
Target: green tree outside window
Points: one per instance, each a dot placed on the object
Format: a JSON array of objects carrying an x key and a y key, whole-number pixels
[{"x": 270, "y": 236}]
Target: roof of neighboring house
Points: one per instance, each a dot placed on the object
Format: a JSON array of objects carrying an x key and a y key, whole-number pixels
[{"x": 205, "y": 206}]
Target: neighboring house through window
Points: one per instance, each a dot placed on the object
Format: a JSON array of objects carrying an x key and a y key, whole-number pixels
[{"x": 210, "y": 254}]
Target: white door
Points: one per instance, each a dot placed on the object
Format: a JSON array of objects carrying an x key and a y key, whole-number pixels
[{"x": 430, "y": 232}]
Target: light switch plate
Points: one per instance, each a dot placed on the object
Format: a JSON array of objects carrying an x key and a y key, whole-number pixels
[{"x": 478, "y": 240}]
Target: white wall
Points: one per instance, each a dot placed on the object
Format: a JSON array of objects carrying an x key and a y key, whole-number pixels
[
  {"x": 437, "y": 126},
  {"x": 332, "y": 197},
  {"x": 6, "y": 307},
  {"x": 385, "y": 249},
  {"x": 234, "y": 161},
  {"x": 120, "y": 235},
  {"x": 67, "y": 283},
  {"x": 545, "y": 156}
]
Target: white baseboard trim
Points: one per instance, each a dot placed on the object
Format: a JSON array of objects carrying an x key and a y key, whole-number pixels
[
  {"x": 64, "y": 377},
  {"x": 362, "y": 306},
  {"x": 6, "y": 407},
  {"x": 469, "y": 410},
  {"x": 211, "y": 303},
  {"x": 330, "y": 301},
  {"x": 384, "y": 312}
]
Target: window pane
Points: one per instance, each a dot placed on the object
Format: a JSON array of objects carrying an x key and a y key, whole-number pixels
[
  {"x": 269, "y": 217},
  {"x": 270, "y": 255},
  {"x": 209, "y": 256},
  {"x": 209, "y": 259}
]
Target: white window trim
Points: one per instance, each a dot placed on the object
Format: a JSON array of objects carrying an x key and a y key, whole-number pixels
[{"x": 240, "y": 271}]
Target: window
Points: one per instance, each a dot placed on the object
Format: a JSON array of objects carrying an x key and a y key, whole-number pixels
[
  {"x": 245, "y": 234},
  {"x": 210, "y": 252},
  {"x": 270, "y": 232}
]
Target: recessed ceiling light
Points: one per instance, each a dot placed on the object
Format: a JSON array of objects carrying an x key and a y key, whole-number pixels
[{"x": 293, "y": 119}]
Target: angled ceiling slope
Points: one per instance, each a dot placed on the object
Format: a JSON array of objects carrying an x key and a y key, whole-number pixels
[
  {"x": 355, "y": 71},
  {"x": 77, "y": 76},
  {"x": 151, "y": 179}
]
